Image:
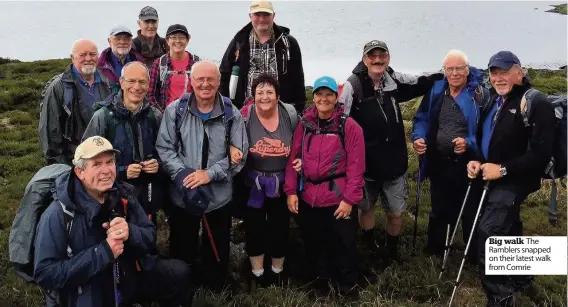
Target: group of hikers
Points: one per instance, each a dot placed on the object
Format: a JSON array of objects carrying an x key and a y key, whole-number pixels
[{"x": 146, "y": 126}]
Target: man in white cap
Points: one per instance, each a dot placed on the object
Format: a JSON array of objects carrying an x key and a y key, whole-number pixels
[
  {"x": 93, "y": 241},
  {"x": 119, "y": 53}
]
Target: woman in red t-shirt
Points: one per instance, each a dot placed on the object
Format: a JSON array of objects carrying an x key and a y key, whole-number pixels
[{"x": 169, "y": 77}]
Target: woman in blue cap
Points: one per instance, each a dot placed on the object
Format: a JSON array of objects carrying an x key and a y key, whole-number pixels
[{"x": 332, "y": 153}]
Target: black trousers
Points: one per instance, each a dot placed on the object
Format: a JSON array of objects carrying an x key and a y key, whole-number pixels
[
  {"x": 500, "y": 217},
  {"x": 266, "y": 228},
  {"x": 449, "y": 183},
  {"x": 167, "y": 283},
  {"x": 330, "y": 243},
  {"x": 184, "y": 244}
]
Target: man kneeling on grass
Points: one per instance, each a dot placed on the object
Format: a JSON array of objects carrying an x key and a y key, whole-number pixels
[{"x": 102, "y": 258}]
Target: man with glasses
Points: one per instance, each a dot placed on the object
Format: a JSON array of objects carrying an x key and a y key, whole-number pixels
[
  {"x": 194, "y": 149},
  {"x": 128, "y": 121},
  {"x": 148, "y": 43},
  {"x": 119, "y": 53},
  {"x": 371, "y": 96},
  {"x": 512, "y": 155},
  {"x": 444, "y": 132},
  {"x": 67, "y": 101}
]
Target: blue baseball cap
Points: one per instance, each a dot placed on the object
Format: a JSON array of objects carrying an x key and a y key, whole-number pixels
[
  {"x": 504, "y": 60},
  {"x": 325, "y": 81}
]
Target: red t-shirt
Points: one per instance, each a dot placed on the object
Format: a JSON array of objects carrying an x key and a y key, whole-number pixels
[{"x": 178, "y": 79}]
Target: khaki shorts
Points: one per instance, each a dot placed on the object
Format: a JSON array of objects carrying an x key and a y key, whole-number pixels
[{"x": 393, "y": 193}]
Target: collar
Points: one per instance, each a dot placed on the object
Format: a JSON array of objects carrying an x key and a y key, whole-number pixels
[{"x": 81, "y": 80}]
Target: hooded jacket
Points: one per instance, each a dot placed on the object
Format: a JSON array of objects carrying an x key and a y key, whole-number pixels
[
  {"x": 106, "y": 68},
  {"x": 323, "y": 156},
  {"x": 81, "y": 277},
  {"x": 381, "y": 120},
  {"x": 61, "y": 126},
  {"x": 132, "y": 133},
  {"x": 288, "y": 59},
  {"x": 193, "y": 130},
  {"x": 470, "y": 100}
]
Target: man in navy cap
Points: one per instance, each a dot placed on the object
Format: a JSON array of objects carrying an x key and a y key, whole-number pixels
[{"x": 512, "y": 156}]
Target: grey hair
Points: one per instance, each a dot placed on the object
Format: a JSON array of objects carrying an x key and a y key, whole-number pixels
[
  {"x": 454, "y": 53},
  {"x": 202, "y": 62},
  {"x": 80, "y": 163},
  {"x": 134, "y": 62}
]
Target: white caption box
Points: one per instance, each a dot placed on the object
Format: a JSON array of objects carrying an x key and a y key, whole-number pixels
[{"x": 526, "y": 255}]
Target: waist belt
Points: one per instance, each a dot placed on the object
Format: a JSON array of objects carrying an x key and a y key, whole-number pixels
[{"x": 329, "y": 179}]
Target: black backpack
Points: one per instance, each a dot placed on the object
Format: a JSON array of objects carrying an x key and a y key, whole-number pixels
[
  {"x": 38, "y": 196},
  {"x": 556, "y": 168}
]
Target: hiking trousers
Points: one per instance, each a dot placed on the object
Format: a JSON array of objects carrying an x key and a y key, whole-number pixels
[
  {"x": 500, "y": 217},
  {"x": 266, "y": 228},
  {"x": 330, "y": 243}
]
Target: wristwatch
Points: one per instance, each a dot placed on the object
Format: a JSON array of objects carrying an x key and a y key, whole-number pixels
[{"x": 503, "y": 171}]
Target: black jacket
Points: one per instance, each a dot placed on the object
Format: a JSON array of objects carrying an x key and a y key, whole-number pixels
[
  {"x": 382, "y": 123},
  {"x": 61, "y": 127},
  {"x": 288, "y": 57},
  {"x": 509, "y": 144}
]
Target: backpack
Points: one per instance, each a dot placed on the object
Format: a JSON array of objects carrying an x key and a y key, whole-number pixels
[
  {"x": 292, "y": 113},
  {"x": 164, "y": 70},
  {"x": 307, "y": 129},
  {"x": 556, "y": 168},
  {"x": 38, "y": 196},
  {"x": 227, "y": 120},
  {"x": 67, "y": 93}
]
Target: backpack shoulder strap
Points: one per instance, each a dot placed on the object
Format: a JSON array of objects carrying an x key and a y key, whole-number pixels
[
  {"x": 292, "y": 114},
  {"x": 163, "y": 69},
  {"x": 137, "y": 44},
  {"x": 68, "y": 216},
  {"x": 195, "y": 58},
  {"x": 526, "y": 105},
  {"x": 180, "y": 112},
  {"x": 356, "y": 85},
  {"x": 341, "y": 131},
  {"x": 228, "y": 118}
]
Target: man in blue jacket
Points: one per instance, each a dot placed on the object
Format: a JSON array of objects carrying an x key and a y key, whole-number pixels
[
  {"x": 444, "y": 133},
  {"x": 92, "y": 242}
]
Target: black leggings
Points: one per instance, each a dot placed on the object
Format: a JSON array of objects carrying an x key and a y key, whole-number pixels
[{"x": 266, "y": 228}]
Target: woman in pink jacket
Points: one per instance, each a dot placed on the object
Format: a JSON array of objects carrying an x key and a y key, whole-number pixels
[{"x": 332, "y": 152}]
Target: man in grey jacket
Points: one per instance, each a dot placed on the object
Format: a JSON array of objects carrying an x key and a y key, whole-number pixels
[
  {"x": 196, "y": 158},
  {"x": 67, "y": 101}
]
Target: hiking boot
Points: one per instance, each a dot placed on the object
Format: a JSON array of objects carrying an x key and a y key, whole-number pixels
[
  {"x": 257, "y": 282},
  {"x": 276, "y": 279},
  {"x": 322, "y": 286}
]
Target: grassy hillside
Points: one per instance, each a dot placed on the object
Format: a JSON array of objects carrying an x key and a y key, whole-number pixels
[{"x": 413, "y": 283}]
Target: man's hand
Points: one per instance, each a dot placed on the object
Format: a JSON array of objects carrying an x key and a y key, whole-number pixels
[
  {"x": 133, "y": 171},
  {"x": 117, "y": 246},
  {"x": 117, "y": 229},
  {"x": 342, "y": 211},
  {"x": 419, "y": 146},
  {"x": 293, "y": 203},
  {"x": 196, "y": 179},
  {"x": 236, "y": 155},
  {"x": 473, "y": 168},
  {"x": 491, "y": 171},
  {"x": 150, "y": 167},
  {"x": 460, "y": 145},
  {"x": 297, "y": 165}
]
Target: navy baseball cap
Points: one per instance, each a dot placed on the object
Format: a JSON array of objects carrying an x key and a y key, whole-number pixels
[{"x": 504, "y": 60}]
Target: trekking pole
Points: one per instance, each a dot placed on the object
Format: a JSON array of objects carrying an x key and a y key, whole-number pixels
[
  {"x": 485, "y": 188},
  {"x": 113, "y": 202},
  {"x": 211, "y": 241},
  {"x": 417, "y": 204},
  {"x": 449, "y": 246}
]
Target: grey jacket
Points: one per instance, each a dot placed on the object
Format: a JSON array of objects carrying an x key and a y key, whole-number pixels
[
  {"x": 192, "y": 131},
  {"x": 61, "y": 126}
]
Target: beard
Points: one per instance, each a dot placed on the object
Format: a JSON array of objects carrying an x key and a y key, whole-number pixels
[
  {"x": 88, "y": 70},
  {"x": 120, "y": 51}
]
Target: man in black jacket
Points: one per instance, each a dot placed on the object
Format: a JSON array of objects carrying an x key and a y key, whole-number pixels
[
  {"x": 264, "y": 47},
  {"x": 371, "y": 97},
  {"x": 513, "y": 158}
]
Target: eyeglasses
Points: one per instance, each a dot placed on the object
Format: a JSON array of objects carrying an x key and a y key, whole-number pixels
[
  {"x": 179, "y": 38},
  {"x": 380, "y": 56},
  {"x": 202, "y": 80},
  {"x": 458, "y": 69},
  {"x": 132, "y": 82}
]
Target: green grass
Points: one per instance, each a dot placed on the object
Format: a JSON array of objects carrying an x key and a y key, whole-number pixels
[
  {"x": 414, "y": 283},
  {"x": 560, "y": 9}
]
